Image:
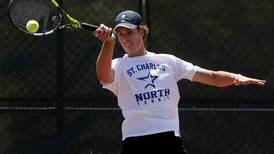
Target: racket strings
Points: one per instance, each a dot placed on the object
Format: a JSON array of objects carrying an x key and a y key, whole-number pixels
[{"x": 21, "y": 11}]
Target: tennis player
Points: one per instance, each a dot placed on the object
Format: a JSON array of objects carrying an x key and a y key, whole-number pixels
[{"x": 145, "y": 84}]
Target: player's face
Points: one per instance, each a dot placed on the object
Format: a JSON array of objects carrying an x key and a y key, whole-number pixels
[{"x": 131, "y": 41}]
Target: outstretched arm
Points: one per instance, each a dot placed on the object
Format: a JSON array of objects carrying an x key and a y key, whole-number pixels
[
  {"x": 104, "y": 71},
  {"x": 223, "y": 79}
]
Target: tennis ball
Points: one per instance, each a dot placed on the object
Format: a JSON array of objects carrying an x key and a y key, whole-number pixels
[{"x": 32, "y": 26}]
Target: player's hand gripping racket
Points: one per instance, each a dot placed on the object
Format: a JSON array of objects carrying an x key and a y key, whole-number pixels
[{"x": 46, "y": 14}]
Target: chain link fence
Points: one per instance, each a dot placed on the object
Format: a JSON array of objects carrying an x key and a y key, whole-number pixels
[
  {"x": 217, "y": 131},
  {"x": 50, "y": 98}
]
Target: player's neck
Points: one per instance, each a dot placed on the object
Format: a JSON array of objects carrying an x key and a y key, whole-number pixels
[{"x": 138, "y": 53}]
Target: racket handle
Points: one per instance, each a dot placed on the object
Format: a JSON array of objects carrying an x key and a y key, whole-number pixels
[
  {"x": 89, "y": 27},
  {"x": 92, "y": 28}
]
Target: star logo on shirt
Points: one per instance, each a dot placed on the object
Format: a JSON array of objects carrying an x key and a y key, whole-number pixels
[{"x": 150, "y": 79}]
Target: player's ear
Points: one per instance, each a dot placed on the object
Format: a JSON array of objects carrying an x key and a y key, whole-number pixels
[{"x": 141, "y": 31}]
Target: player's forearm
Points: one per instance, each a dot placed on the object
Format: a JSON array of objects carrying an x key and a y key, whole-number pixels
[
  {"x": 214, "y": 78},
  {"x": 103, "y": 64},
  {"x": 223, "y": 79}
]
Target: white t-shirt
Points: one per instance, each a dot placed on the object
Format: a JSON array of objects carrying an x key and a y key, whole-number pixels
[{"x": 147, "y": 92}]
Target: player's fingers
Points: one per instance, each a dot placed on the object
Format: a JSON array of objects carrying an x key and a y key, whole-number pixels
[
  {"x": 260, "y": 82},
  {"x": 107, "y": 33},
  {"x": 254, "y": 81},
  {"x": 243, "y": 80},
  {"x": 103, "y": 32},
  {"x": 97, "y": 33}
]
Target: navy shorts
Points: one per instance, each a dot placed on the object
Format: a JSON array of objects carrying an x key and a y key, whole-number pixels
[{"x": 165, "y": 143}]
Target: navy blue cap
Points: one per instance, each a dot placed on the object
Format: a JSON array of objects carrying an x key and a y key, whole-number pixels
[{"x": 129, "y": 19}]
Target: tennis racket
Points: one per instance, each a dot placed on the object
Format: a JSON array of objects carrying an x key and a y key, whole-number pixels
[{"x": 48, "y": 13}]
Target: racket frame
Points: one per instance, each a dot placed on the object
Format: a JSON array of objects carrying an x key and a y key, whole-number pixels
[{"x": 74, "y": 24}]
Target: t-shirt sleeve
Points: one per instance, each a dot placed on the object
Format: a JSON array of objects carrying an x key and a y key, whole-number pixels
[
  {"x": 113, "y": 86},
  {"x": 184, "y": 69}
]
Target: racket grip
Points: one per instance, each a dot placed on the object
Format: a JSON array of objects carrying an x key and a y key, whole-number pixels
[
  {"x": 89, "y": 27},
  {"x": 92, "y": 28}
]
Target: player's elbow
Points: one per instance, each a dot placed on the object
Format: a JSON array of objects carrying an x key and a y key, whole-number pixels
[{"x": 103, "y": 79}]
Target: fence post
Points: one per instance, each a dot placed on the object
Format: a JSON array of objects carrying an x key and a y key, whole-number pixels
[
  {"x": 59, "y": 90},
  {"x": 148, "y": 21},
  {"x": 144, "y": 10}
]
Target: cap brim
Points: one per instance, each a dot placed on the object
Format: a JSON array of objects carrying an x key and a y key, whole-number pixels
[{"x": 126, "y": 25}]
